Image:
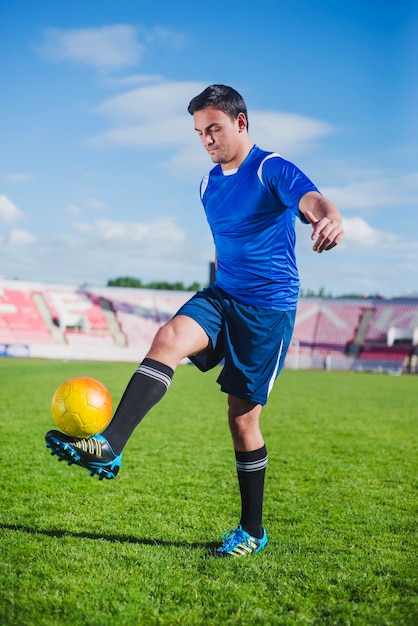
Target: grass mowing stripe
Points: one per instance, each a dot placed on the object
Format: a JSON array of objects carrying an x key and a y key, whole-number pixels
[{"x": 339, "y": 507}]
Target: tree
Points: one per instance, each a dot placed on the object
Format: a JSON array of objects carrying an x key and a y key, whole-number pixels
[
  {"x": 125, "y": 281},
  {"x": 136, "y": 283}
]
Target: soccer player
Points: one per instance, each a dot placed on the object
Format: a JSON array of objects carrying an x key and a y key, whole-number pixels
[{"x": 251, "y": 199}]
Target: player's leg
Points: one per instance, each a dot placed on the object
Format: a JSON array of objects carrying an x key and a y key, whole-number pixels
[
  {"x": 251, "y": 462},
  {"x": 256, "y": 341},
  {"x": 101, "y": 454},
  {"x": 181, "y": 337},
  {"x": 174, "y": 341},
  {"x": 244, "y": 424}
]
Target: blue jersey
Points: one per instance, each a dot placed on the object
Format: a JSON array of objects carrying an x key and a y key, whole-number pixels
[{"x": 251, "y": 212}]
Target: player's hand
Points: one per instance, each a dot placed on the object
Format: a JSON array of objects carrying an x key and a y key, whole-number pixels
[{"x": 327, "y": 233}]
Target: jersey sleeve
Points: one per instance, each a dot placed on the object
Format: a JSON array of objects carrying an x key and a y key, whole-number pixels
[{"x": 286, "y": 181}]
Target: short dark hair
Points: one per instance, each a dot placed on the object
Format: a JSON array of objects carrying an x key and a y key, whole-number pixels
[{"x": 221, "y": 97}]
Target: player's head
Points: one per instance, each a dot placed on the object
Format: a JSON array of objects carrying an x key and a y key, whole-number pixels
[{"x": 220, "y": 97}]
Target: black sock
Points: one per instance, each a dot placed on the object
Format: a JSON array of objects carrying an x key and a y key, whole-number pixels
[
  {"x": 251, "y": 470},
  {"x": 146, "y": 387}
]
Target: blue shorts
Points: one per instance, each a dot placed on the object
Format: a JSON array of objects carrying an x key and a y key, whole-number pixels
[{"x": 251, "y": 340}]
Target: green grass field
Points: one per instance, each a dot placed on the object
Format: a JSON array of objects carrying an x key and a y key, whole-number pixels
[{"x": 340, "y": 507}]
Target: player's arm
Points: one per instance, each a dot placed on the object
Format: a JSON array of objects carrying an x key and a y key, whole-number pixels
[{"x": 325, "y": 220}]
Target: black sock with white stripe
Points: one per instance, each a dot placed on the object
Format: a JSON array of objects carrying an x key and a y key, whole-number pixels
[
  {"x": 251, "y": 470},
  {"x": 146, "y": 387}
]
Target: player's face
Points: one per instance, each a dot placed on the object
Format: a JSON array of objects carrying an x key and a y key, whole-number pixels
[{"x": 221, "y": 136}]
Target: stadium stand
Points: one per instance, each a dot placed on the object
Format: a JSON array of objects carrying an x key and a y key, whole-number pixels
[
  {"x": 384, "y": 359},
  {"x": 390, "y": 343},
  {"x": 72, "y": 309},
  {"x": 139, "y": 331},
  {"x": 402, "y": 315},
  {"x": 111, "y": 323},
  {"x": 327, "y": 326},
  {"x": 20, "y": 319}
]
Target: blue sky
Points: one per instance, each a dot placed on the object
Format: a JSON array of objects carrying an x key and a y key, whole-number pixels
[{"x": 100, "y": 164}]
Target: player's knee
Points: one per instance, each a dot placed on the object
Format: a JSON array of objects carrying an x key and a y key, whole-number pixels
[
  {"x": 238, "y": 426},
  {"x": 165, "y": 337},
  {"x": 241, "y": 425},
  {"x": 177, "y": 339},
  {"x": 243, "y": 417}
]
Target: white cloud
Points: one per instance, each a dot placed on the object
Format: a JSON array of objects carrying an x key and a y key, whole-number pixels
[
  {"x": 378, "y": 192},
  {"x": 9, "y": 212},
  {"x": 162, "y": 230},
  {"x": 172, "y": 131},
  {"x": 152, "y": 102},
  {"x": 150, "y": 117},
  {"x": 114, "y": 47},
  {"x": 21, "y": 238},
  {"x": 359, "y": 231},
  {"x": 156, "y": 115},
  {"x": 290, "y": 131},
  {"x": 103, "y": 48}
]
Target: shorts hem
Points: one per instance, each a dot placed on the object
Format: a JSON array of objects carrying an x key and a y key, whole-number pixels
[{"x": 262, "y": 402}]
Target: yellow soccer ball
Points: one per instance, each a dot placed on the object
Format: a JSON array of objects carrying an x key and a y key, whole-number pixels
[{"x": 81, "y": 407}]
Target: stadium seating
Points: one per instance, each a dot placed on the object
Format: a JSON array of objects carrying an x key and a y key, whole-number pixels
[
  {"x": 400, "y": 315},
  {"x": 139, "y": 331},
  {"x": 395, "y": 353},
  {"x": 383, "y": 358},
  {"x": 117, "y": 321},
  {"x": 73, "y": 309},
  {"x": 380, "y": 350},
  {"x": 140, "y": 313},
  {"x": 20, "y": 320},
  {"x": 326, "y": 326}
]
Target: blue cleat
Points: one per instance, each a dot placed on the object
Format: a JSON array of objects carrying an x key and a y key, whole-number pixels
[
  {"x": 239, "y": 543},
  {"x": 93, "y": 453}
]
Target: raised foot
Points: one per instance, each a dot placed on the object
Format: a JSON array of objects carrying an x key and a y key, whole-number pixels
[{"x": 93, "y": 453}]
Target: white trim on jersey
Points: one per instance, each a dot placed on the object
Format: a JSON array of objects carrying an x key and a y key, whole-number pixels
[
  {"x": 203, "y": 185},
  {"x": 260, "y": 167}
]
